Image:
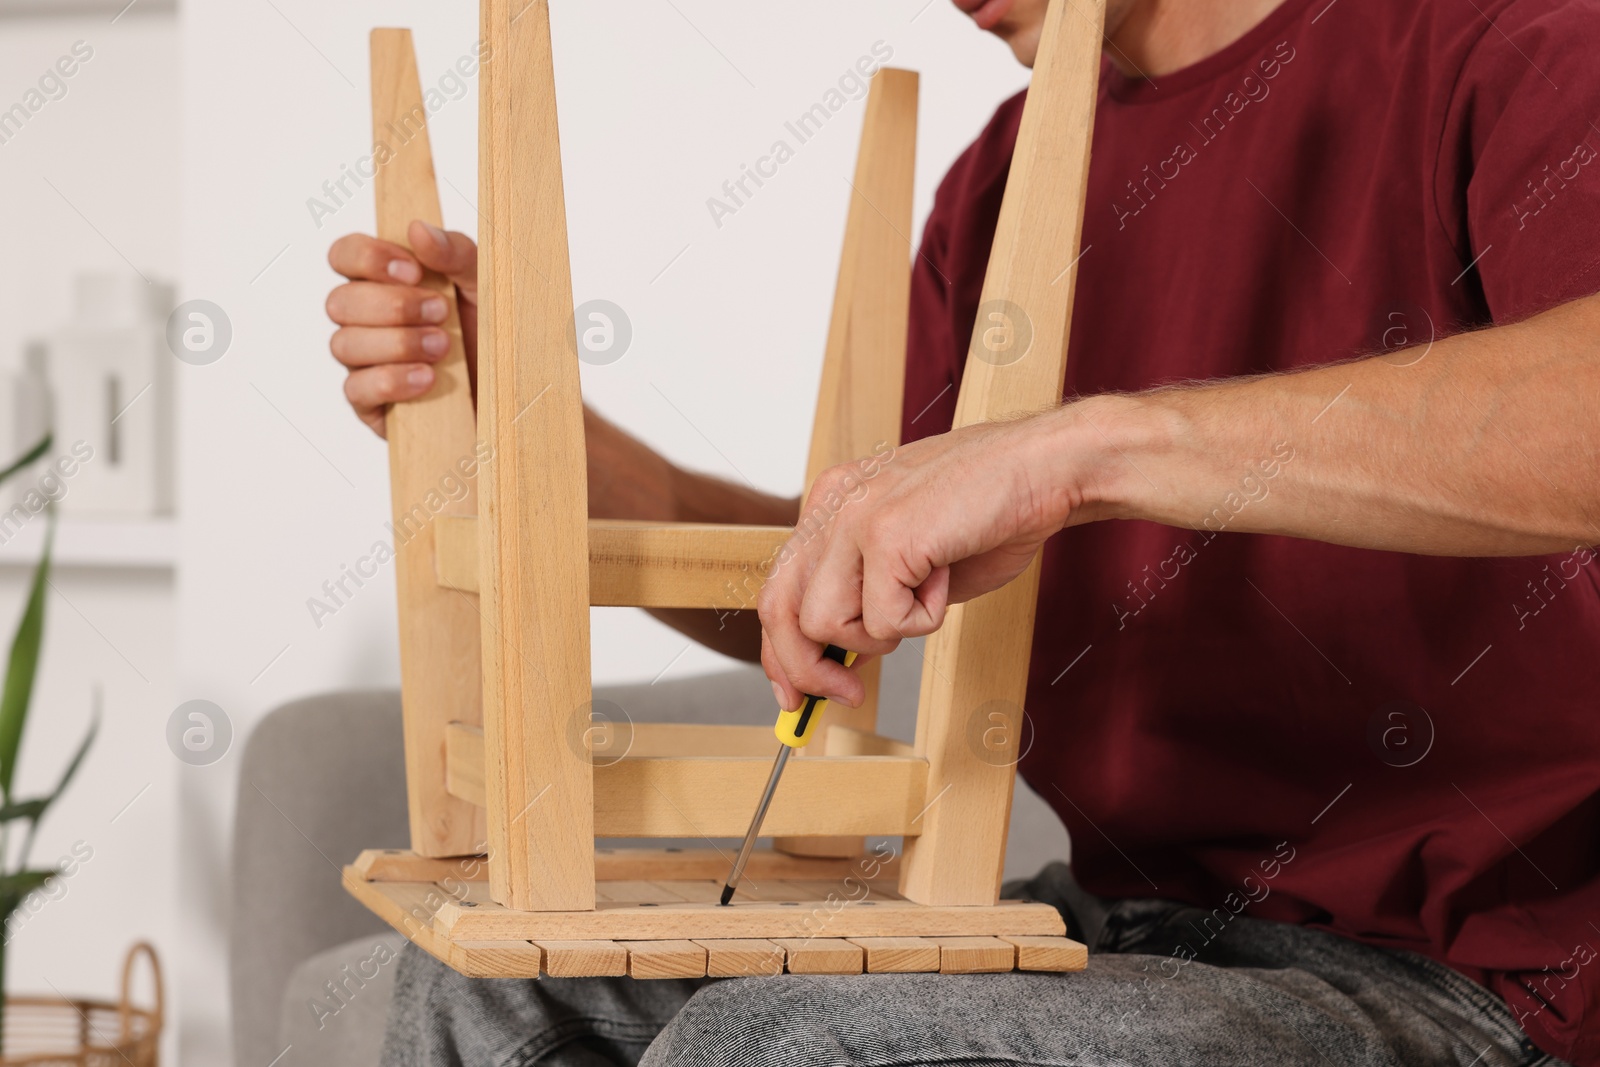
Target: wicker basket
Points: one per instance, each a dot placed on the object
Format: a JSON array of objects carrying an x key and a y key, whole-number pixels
[{"x": 52, "y": 1032}]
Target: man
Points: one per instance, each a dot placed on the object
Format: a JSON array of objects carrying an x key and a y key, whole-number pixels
[{"x": 1318, "y": 619}]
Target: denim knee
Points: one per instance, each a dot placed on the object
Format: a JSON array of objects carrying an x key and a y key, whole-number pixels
[{"x": 786, "y": 1021}]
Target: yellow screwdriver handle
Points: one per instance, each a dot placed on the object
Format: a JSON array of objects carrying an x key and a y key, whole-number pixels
[{"x": 795, "y": 728}]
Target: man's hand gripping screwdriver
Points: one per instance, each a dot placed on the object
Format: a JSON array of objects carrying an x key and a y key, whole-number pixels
[{"x": 794, "y": 730}]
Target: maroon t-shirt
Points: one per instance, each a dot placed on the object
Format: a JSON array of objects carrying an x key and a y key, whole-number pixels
[{"x": 1401, "y": 749}]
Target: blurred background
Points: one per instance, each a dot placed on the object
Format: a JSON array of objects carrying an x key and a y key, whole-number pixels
[{"x": 195, "y": 153}]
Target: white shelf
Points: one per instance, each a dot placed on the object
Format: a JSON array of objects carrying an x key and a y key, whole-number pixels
[
  {"x": 129, "y": 544},
  {"x": 67, "y": 8}
]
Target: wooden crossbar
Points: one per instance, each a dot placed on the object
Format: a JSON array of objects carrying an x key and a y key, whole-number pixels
[
  {"x": 708, "y": 865},
  {"x": 709, "y": 796},
  {"x": 642, "y": 564}
]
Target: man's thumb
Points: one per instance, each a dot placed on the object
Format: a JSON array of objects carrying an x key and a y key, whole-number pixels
[{"x": 452, "y": 254}]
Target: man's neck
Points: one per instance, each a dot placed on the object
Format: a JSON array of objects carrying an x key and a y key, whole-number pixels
[{"x": 1156, "y": 37}]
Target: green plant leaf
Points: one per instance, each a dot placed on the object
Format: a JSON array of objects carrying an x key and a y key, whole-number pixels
[
  {"x": 24, "y": 809},
  {"x": 72, "y": 767},
  {"x": 32, "y": 454},
  {"x": 17, "y": 692},
  {"x": 33, "y": 810},
  {"x": 18, "y": 884}
]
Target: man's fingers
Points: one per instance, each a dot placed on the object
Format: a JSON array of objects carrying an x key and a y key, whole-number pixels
[
  {"x": 793, "y": 661},
  {"x": 366, "y": 346},
  {"x": 796, "y": 663},
  {"x": 452, "y": 254},
  {"x": 783, "y": 691},
  {"x": 361, "y": 257},
  {"x": 831, "y": 609},
  {"x": 805, "y": 670},
  {"x": 828, "y": 679},
  {"x": 784, "y": 649},
  {"x": 899, "y": 602},
  {"x": 374, "y": 388},
  {"x": 374, "y": 304}
]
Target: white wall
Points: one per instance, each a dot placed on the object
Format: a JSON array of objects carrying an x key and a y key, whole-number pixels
[
  {"x": 660, "y": 103},
  {"x": 109, "y": 147}
]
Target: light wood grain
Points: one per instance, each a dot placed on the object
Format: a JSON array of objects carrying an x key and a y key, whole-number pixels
[
  {"x": 740, "y": 957},
  {"x": 455, "y": 553},
  {"x": 403, "y": 865},
  {"x": 686, "y": 739},
  {"x": 979, "y": 659},
  {"x": 704, "y": 892},
  {"x": 410, "y": 910},
  {"x": 820, "y": 955},
  {"x": 644, "y": 564},
  {"x": 533, "y": 528},
  {"x": 584, "y": 959},
  {"x": 1048, "y": 953},
  {"x": 709, "y": 796},
  {"x": 863, "y": 368},
  {"x": 432, "y": 451},
  {"x": 632, "y": 892},
  {"x": 482, "y": 920},
  {"x": 650, "y": 739},
  {"x": 665, "y": 959},
  {"x": 413, "y": 908},
  {"x": 669, "y": 867},
  {"x": 741, "y": 919},
  {"x": 845, "y": 741},
  {"x": 975, "y": 955},
  {"x": 498, "y": 959},
  {"x": 899, "y": 955},
  {"x": 672, "y": 865},
  {"x": 777, "y": 890}
]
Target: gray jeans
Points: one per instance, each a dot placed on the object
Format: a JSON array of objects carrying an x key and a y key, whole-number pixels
[{"x": 1256, "y": 992}]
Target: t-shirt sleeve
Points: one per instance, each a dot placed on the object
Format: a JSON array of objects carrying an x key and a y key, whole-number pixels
[
  {"x": 948, "y": 271},
  {"x": 1524, "y": 115},
  {"x": 931, "y": 375}
]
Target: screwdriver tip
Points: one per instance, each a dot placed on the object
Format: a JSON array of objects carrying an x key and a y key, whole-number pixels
[{"x": 727, "y": 895}]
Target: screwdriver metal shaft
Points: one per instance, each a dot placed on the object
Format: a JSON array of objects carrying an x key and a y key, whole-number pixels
[
  {"x": 794, "y": 730},
  {"x": 755, "y": 823}
]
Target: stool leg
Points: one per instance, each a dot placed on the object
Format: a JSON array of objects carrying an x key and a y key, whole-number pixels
[
  {"x": 432, "y": 458},
  {"x": 863, "y": 370},
  {"x": 970, "y": 720},
  {"x": 533, "y": 524}
]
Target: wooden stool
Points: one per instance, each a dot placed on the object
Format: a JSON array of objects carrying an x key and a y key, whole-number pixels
[{"x": 506, "y": 784}]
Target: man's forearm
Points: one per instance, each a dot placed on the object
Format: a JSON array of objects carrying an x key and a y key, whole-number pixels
[
  {"x": 1486, "y": 443},
  {"x": 627, "y": 480}
]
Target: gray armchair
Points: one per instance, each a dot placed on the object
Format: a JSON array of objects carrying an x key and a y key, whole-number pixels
[{"x": 323, "y": 778}]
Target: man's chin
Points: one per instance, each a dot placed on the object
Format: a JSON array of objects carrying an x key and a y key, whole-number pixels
[
  {"x": 991, "y": 14},
  {"x": 1023, "y": 41}
]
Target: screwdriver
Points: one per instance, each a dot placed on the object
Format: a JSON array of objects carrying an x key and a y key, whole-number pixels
[{"x": 794, "y": 730}]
